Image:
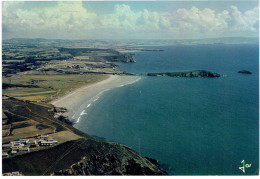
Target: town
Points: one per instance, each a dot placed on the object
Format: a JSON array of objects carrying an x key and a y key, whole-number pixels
[{"x": 24, "y": 145}]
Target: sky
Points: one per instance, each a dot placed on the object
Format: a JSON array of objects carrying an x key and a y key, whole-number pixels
[{"x": 130, "y": 20}]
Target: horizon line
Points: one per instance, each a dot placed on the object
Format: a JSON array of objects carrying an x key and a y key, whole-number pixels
[{"x": 127, "y": 39}]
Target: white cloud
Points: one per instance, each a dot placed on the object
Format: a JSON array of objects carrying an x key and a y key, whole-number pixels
[
  {"x": 72, "y": 20},
  {"x": 243, "y": 22},
  {"x": 64, "y": 18},
  {"x": 205, "y": 21}
]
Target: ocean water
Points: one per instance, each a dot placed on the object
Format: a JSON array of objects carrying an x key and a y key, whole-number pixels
[{"x": 192, "y": 126}]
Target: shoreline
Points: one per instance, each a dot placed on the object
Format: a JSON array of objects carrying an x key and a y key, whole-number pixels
[{"x": 80, "y": 99}]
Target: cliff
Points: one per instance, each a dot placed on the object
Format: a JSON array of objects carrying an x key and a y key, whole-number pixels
[{"x": 83, "y": 157}]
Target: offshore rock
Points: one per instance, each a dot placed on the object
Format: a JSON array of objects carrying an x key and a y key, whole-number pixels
[
  {"x": 245, "y": 72},
  {"x": 196, "y": 73}
]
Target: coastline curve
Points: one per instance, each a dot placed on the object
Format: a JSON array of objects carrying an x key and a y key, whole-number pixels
[{"x": 79, "y": 100}]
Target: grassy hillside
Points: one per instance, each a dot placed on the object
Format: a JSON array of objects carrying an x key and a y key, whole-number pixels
[{"x": 28, "y": 119}]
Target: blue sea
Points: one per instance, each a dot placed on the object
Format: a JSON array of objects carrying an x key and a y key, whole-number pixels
[{"x": 192, "y": 126}]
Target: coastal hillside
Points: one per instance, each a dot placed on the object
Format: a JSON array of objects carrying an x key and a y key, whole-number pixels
[
  {"x": 75, "y": 153},
  {"x": 83, "y": 157}
]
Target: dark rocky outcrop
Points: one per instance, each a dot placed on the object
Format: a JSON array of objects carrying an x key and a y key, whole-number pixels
[
  {"x": 196, "y": 73},
  {"x": 245, "y": 72},
  {"x": 125, "y": 58}
]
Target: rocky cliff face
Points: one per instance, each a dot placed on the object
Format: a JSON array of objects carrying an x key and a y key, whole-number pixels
[
  {"x": 83, "y": 157},
  {"x": 112, "y": 159},
  {"x": 125, "y": 58},
  {"x": 110, "y": 166}
]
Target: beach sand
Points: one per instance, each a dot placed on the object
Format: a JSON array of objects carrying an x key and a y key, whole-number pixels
[{"x": 77, "y": 101}]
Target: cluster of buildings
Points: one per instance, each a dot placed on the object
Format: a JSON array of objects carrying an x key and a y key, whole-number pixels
[
  {"x": 23, "y": 145},
  {"x": 12, "y": 174}
]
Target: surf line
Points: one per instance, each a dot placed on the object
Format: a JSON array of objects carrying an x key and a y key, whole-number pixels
[
  {"x": 96, "y": 97},
  {"x": 129, "y": 83},
  {"x": 91, "y": 101}
]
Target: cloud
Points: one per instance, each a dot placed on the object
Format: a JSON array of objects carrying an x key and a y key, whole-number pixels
[
  {"x": 205, "y": 21},
  {"x": 244, "y": 22},
  {"x": 64, "y": 18},
  {"x": 73, "y": 20}
]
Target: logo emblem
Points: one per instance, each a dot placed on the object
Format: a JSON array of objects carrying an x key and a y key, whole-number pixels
[{"x": 243, "y": 168}]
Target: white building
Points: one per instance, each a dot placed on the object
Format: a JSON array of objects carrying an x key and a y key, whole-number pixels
[
  {"x": 31, "y": 142},
  {"x": 7, "y": 174},
  {"x": 46, "y": 143},
  {"x": 15, "y": 174},
  {"x": 24, "y": 149},
  {"x": 11, "y": 174},
  {"x": 44, "y": 137},
  {"x": 24, "y": 141},
  {"x": 52, "y": 140},
  {"x": 7, "y": 146},
  {"x": 4, "y": 155},
  {"x": 16, "y": 143},
  {"x": 15, "y": 148}
]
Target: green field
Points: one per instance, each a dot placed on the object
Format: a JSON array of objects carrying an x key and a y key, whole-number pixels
[{"x": 48, "y": 87}]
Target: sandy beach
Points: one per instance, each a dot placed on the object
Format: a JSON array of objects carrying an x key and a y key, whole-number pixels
[{"x": 77, "y": 101}]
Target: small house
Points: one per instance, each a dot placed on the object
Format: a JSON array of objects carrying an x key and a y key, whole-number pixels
[
  {"x": 24, "y": 141},
  {"x": 7, "y": 174},
  {"x": 16, "y": 143},
  {"x": 13, "y": 151},
  {"x": 4, "y": 155},
  {"x": 24, "y": 149},
  {"x": 7, "y": 146},
  {"x": 15, "y": 174},
  {"x": 31, "y": 142},
  {"x": 16, "y": 148},
  {"x": 52, "y": 140},
  {"x": 41, "y": 140},
  {"x": 46, "y": 143},
  {"x": 44, "y": 137}
]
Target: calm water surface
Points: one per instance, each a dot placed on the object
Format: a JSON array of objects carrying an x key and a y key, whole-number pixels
[{"x": 192, "y": 126}]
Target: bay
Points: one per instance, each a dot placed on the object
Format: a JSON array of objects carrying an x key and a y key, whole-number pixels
[{"x": 192, "y": 126}]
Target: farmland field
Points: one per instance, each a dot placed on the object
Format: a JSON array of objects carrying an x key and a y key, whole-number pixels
[{"x": 48, "y": 87}]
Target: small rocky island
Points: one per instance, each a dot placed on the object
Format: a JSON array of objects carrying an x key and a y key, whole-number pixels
[
  {"x": 245, "y": 72},
  {"x": 195, "y": 73}
]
